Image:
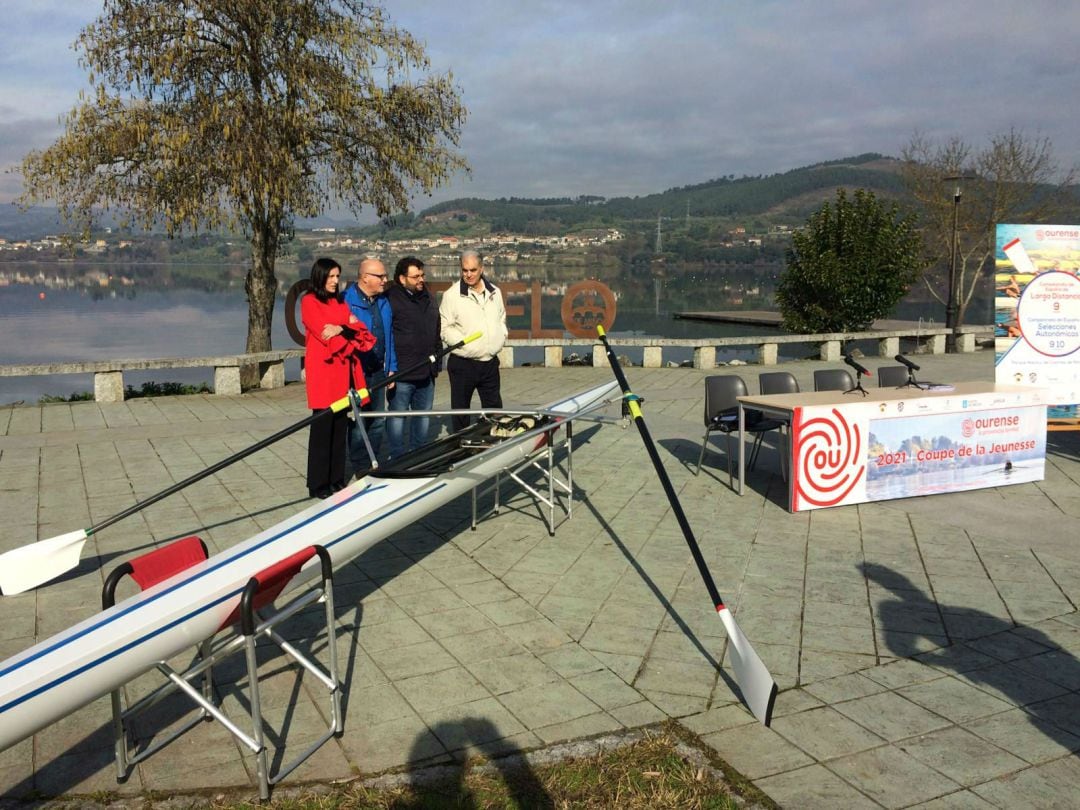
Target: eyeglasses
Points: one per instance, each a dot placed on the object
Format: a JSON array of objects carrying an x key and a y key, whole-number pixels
[
  {"x": 377, "y": 275},
  {"x": 415, "y": 276}
]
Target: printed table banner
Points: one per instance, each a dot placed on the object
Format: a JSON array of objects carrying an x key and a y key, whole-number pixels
[{"x": 874, "y": 451}]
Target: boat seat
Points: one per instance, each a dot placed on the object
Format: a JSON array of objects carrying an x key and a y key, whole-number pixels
[
  {"x": 442, "y": 454},
  {"x": 253, "y": 618},
  {"x": 506, "y": 426}
]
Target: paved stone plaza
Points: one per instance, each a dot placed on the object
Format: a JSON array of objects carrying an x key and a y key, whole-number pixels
[{"x": 926, "y": 649}]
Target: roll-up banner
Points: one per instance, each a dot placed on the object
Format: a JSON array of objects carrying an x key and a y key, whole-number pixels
[{"x": 1037, "y": 315}]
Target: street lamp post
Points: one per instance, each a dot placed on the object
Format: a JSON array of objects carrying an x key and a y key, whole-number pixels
[{"x": 952, "y": 304}]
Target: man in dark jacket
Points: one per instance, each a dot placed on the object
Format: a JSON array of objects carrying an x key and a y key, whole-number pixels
[{"x": 416, "y": 336}]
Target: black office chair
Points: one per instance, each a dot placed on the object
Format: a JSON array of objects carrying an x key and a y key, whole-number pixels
[
  {"x": 833, "y": 379},
  {"x": 722, "y": 413},
  {"x": 778, "y": 382},
  {"x": 891, "y": 376}
]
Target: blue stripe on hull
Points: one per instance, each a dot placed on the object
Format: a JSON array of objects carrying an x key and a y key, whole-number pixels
[
  {"x": 65, "y": 642},
  {"x": 187, "y": 617}
]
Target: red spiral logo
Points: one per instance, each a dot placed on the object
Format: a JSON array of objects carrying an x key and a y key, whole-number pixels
[
  {"x": 829, "y": 459},
  {"x": 967, "y": 428}
]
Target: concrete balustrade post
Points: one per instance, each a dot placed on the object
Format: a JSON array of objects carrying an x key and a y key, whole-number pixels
[
  {"x": 830, "y": 351},
  {"x": 768, "y": 353},
  {"x": 227, "y": 380},
  {"x": 272, "y": 374},
  {"x": 654, "y": 357},
  {"x": 705, "y": 357},
  {"x": 888, "y": 347},
  {"x": 936, "y": 344},
  {"x": 506, "y": 357},
  {"x": 109, "y": 386},
  {"x": 599, "y": 359},
  {"x": 553, "y": 356}
]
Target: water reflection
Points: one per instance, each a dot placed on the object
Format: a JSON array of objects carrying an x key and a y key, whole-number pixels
[{"x": 45, "y": 322}]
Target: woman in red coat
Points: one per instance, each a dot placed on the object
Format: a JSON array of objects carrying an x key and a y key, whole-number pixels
[{"x": 333, "y": 334}]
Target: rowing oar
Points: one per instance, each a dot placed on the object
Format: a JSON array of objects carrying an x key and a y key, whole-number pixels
[
  {"x": 755, "y": 682},
  {"x": 28, "y": 566}
]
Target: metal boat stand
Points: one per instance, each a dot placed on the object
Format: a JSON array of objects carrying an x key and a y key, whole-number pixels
[{"x": 559, "y": 494}]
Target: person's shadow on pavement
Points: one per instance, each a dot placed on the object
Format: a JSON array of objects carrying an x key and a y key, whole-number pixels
[
  {"x": 522, "y": 784},
  {"x": 1013, "y": 662}
]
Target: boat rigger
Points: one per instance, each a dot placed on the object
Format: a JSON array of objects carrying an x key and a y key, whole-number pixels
[{"x": 65, "y": 672}]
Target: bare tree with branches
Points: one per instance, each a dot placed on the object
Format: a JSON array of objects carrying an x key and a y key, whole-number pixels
[
  {"x": 248, "y": 113},
  {"x": 1014, "y": 178}
]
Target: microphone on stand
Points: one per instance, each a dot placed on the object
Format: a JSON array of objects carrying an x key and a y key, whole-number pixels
[
  {"x": 855, "y": 365},
  {"x": 905, "y": 362}
]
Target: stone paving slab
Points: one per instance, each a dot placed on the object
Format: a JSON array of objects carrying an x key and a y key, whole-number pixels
[{"x": 927, "y": 649}]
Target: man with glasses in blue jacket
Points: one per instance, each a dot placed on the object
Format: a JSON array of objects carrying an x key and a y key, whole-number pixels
[{"x": 367, "y": 302}]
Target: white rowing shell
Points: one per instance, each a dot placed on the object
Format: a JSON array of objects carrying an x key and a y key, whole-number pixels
[{"x": 65, "y": 672}]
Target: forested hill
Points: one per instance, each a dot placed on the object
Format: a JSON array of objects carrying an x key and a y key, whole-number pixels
[{"x": 786, "y": 198}]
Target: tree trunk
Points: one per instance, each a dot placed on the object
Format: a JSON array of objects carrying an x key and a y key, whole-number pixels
[
  {"x": 261, "y": 288},
  {"x": 961, "y": 311}
]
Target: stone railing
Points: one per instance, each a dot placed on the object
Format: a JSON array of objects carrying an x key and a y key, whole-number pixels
[
  {"x": 830, "y": 346},
  {"x": 109, "y": 374}
]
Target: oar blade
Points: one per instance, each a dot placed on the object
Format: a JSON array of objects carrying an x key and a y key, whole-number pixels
[
  {"x": 755, "y": 682},
  {"x": 28, "y": 566}
]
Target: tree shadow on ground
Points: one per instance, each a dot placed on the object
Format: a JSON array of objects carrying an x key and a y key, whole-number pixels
[{"x": 1015, "y": 663}]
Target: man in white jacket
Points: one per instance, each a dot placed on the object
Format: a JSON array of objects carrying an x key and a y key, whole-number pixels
[{"x": 473, "y": 305}]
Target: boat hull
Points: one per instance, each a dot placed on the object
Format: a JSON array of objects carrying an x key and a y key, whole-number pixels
[{"x": 65, "y": 672}]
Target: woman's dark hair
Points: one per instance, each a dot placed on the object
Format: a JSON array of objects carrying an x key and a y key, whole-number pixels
[{"x": 320, "y": 272}]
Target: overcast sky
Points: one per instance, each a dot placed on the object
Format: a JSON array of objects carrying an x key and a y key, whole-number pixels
[{"x": 625, "y": 97}]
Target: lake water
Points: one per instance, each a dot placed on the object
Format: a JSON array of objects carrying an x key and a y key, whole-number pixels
[
  {"x": 55, "y": 325},
  {"x": 47, "y": 324}
]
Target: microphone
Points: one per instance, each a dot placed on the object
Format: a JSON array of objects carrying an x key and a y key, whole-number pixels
[
  {"x": 905, "y": 362},
  {"x": 854, "y": 364}
]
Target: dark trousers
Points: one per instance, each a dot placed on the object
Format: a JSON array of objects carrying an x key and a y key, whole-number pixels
[
  {"x": 467, "y": 376},
  {"x": 326, "y": 452}
]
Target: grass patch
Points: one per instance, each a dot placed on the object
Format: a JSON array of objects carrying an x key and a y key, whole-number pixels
[
  {"x": 655, "y": 772},
  {"x": 165, "y": 389},
  {"x": 147, "y": 389},
  {"x": 78, "y": 396}
]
